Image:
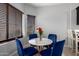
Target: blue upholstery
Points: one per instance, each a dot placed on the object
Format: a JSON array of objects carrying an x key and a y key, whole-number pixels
[
  {"x": 52, "y": 37},
  {"x": 29, "y": 51},
  {"x": 58, "y": 48},
  {"x": 31, "y": 36},
  {"x": 46, "y": 52},
  {"x": 55, "y": 51}
]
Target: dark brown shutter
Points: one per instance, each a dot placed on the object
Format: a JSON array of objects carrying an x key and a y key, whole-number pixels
[
  {"x": 3, "y": 18},
  {"x": 15, "y": 22},
  {"x": 10, "y": 22}
]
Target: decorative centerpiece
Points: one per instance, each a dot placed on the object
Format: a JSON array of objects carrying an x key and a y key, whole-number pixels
[{"x": 40, "y": 32}]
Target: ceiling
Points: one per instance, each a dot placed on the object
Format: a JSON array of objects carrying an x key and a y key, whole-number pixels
[{"x": 43, "y": 4}]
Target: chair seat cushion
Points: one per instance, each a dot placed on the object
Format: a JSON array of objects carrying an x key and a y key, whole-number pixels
[
  {"x": 46, "y": 52},
  {"x": 29, "y": 51}
]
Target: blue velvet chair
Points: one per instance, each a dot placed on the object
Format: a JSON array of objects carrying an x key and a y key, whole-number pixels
[
  {"x": 29, "y": 51},
  {"x": 31, "y": 36},
  {"x": 52, "y": 37},
  {"x": 55, "y": 51}
]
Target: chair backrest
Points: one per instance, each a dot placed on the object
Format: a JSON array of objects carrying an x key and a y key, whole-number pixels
[
  {"x": 73, "y": 34},
  {"x": 77, "y": 35},
  {"x": 31, "y": 36},
  {"x": 19, "y": 48},
  {"x": 58, "y": 48},
  {"x": 53, "y": 37}
]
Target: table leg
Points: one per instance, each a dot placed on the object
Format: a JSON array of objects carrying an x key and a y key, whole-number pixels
[{"x": 39, "y": 49}]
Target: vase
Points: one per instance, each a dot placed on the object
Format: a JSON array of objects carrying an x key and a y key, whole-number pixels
[{"x": 40, "y": 37}]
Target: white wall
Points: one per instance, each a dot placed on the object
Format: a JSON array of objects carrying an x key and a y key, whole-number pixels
[
  {"x": 30, "y": 10},
  {"x": 9, "y": 48},
  {"x": 53, "y": 19},
  {"x": 58, "y": 19}
]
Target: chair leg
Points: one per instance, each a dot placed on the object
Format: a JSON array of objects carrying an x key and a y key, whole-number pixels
[
  {"x": 72, "y": 46},
  {"x": 76, "y": 48}
]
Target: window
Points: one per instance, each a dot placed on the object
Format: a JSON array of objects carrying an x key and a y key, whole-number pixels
[{"x": 10, "y": 22}]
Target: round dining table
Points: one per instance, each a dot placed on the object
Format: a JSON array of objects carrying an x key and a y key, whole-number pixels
[{"x": 40, "y": 43}]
